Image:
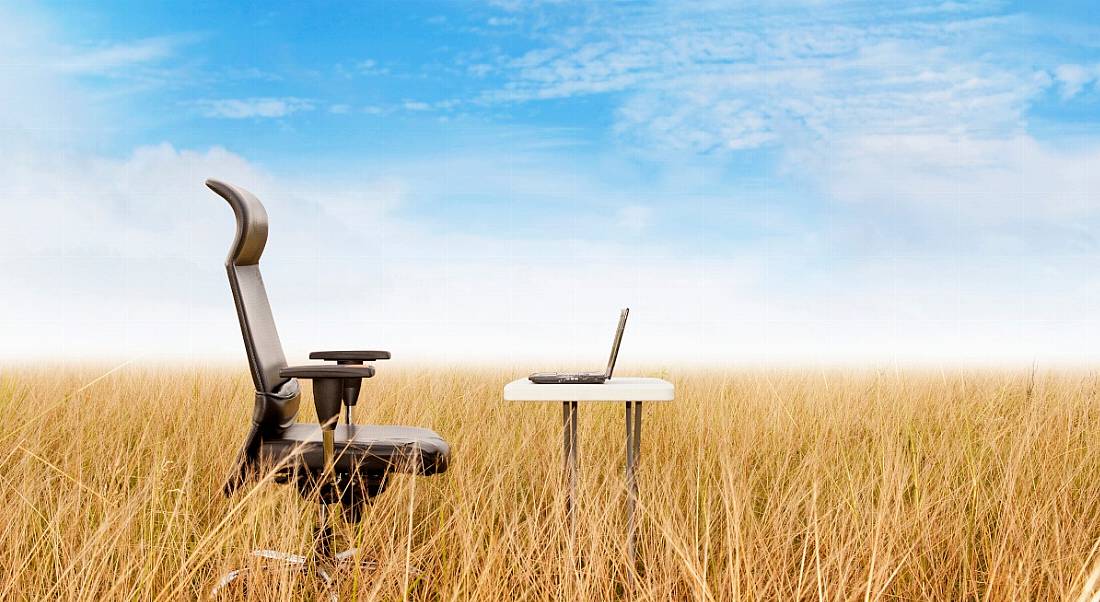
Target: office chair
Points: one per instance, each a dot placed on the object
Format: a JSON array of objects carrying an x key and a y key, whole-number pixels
[{"x": 333, "y": 464}]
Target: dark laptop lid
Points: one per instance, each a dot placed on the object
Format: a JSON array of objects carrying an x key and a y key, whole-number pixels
[{"x": 618, "y": 339}]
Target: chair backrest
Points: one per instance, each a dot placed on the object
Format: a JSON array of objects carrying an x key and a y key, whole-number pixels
[{"x": 277, "y": 398}]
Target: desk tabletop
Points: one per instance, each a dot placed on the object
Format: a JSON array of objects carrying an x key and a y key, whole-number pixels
[{"x": 620, "y": 388}]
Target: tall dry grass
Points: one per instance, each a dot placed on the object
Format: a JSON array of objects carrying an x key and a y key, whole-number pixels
[{"x": 757, "y": 486}]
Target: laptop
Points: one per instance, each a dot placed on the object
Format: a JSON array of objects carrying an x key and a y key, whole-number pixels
[{"x": 586, "y": 378}]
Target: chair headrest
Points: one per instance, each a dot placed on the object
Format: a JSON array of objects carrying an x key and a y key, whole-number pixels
[{"x": 251, "y": 223}]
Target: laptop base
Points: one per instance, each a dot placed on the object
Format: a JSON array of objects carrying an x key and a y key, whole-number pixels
[{"x": 565, "y": 378}]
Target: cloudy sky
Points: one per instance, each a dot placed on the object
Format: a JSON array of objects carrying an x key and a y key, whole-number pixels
[{"x": 812, "y": 182}]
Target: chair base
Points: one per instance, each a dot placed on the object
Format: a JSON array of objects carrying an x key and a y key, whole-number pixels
[
  {"x": 324, "y": 569},
  {"x": 323, "y": 564}
]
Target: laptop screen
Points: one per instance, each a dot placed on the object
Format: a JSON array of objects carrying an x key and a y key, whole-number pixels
[{"x": 618, "y": 339}]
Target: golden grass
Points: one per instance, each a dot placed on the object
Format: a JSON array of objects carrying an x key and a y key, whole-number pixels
[{"x": 758, "y": 486}]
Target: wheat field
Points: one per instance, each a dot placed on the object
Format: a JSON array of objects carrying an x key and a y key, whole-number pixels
[{"x": 766, "y": 485}]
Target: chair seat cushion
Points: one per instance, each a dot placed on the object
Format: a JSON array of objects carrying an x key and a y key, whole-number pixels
[{"x": 372, "y": 449}]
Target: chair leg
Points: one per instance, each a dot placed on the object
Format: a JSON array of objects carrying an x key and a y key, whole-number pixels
[
  {"x": 324, "y": 565},
  {"x": 284, "y": 561}
]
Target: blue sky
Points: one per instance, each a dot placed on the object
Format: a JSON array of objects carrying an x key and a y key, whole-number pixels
[{"x": 807, "y": 181}]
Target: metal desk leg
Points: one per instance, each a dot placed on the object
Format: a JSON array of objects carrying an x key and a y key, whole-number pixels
[
  {"x": 569, "y": 453},
  {"x": 633, "y": 449}
]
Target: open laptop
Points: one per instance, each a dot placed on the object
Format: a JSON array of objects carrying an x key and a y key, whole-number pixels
[{"x": 586, "y": 378}]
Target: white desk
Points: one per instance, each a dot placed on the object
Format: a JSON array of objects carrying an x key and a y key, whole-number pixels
[
  {"x": 616, "y": 389},
  {"x": 633, "y": 391}
]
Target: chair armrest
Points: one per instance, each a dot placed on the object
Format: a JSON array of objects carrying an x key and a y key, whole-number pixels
[
  {"x": 328, "y": 387},
  {"x": 348, "y": 359},
  {"x": 341, "y": 356},
  {"x": 314, "y": 372}
]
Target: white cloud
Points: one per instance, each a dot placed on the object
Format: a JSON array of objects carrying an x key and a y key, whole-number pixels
[
  {"x": 120, "y": 56},
  {"x": 517, "y": 5},
  {"x": 420, "y": 106},
  {"x": 480, "y": 69},
  {"x": 371, "y": 67},
  {"x": 986, "y": 181},
  {"x": 891, "y": 111},
  {"x": 117, "y": 257},
  {"x": 707, "y": 79},
  {"x": 1072, "y": 79},
  {"x": 253, "y": 108}
]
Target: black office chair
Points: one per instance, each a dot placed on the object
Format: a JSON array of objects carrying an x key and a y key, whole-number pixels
[{"x": 345, "y": 464}]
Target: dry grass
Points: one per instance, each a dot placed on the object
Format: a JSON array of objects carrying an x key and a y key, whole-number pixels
[{"x": 761, "y": 486}]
